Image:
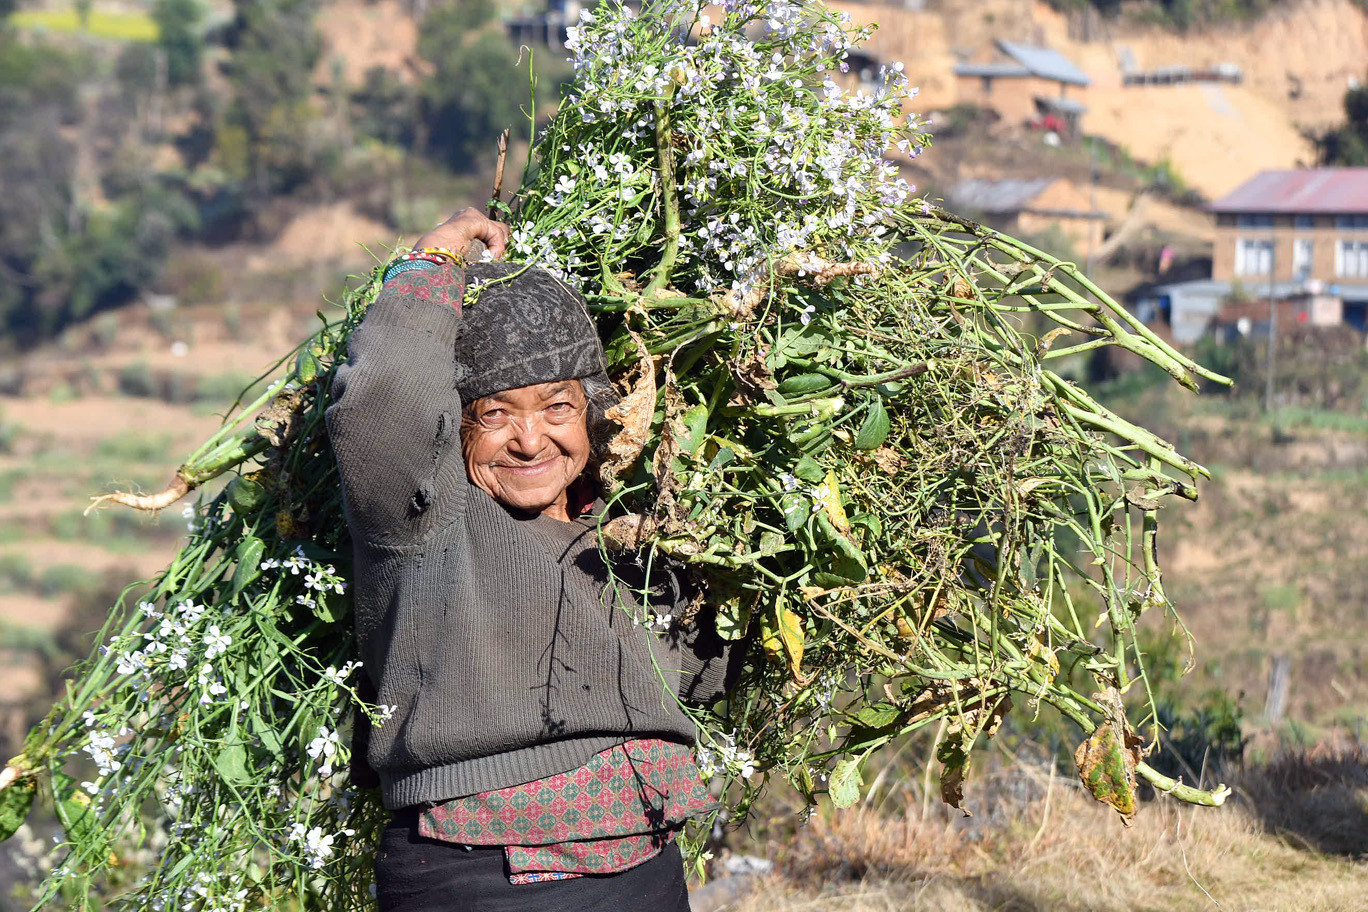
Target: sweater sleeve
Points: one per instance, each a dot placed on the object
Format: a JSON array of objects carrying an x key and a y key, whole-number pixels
[
  {"x": 394, "y": 421},
  {"x": 710, "y": 664}
]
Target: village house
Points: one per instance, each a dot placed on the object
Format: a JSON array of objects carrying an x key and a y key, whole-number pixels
[
  {"x": 1297, "y": 236},
  {"x": 1031, "y": 206},
  {"x": 1025, "y": 83}
]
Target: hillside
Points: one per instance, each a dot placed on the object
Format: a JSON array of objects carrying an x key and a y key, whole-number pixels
[
  {"x": 1270, "y": 567},
  {"x": 1214, "y": 135}
]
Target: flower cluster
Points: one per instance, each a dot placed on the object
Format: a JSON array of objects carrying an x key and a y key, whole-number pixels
[
  {"x": 772, "y": 153},
  {"x": 319, "y": 579},
  {"x": 314, "y": 843},
  {"x": 326, "y": 747},
  {"x": 725, "y": 758},
  {"x": 176, "y": 638}
]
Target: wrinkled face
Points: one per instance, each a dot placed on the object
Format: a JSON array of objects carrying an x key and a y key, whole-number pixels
[{"x": 523, "y": 447}]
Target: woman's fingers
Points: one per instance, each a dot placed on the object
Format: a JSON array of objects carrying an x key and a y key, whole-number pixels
[{"x": 458, "y": 232}]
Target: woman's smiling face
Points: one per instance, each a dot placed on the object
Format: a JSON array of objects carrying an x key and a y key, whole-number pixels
[{"x": 524, "y": 446}]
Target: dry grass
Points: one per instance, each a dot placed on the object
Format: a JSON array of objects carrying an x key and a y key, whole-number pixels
[{"x": 1294, "y": 840}]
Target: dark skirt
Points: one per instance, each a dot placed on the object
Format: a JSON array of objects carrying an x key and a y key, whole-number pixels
[{"x": 417, "y": 874}]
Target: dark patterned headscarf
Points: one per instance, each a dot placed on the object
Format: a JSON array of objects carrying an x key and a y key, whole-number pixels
[{"x": 520, "y": 326}]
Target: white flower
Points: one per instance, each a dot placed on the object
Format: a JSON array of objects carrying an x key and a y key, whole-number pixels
[
  {"x": 216, "y": 642},
  {"x": 102, "y": 750},
  {"x": 131, "y": 663},
  {"x": 270, "y": 563},
  {"x": 339, "y": 675},
  {"x": 149, "y": 609},
  {"x": 190, "y": 611},
  {"x": 317, "y": 845},
  {"x": 325, "y": 748},
  {"x": 789, "y": 481},
  {"x": 806, "y": 316}
]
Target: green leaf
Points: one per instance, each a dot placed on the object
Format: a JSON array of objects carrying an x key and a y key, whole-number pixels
[
  {"x": 733, "y": 617},
  {"x": 246, "y": 495},
  {"x": 809, "y": 469},
  {"x": 307, "y": 365},
  {"x": 248, "y": 556},
  {"x": 796, "y": 509},
  {"x": 804, "y": 383},
  {"x": 724, "y": 457},
  {"x": 78, "y": 818},
  {"x": 231, "y": 763},
  {"x": 802, "y": 781},
  {"x": 696, "y": 425},
  {"x": 870, "y": 522},
  {"x": 770, "y": 543},
  {"x": 874, "y": 430},
  {"x": 846, "y": 782},
  {"x": 15, "y": 802},
  {"x": 322, "y": 610},
  {"x": 846, "y": 560},
  {"x": 878, "y": 715}
]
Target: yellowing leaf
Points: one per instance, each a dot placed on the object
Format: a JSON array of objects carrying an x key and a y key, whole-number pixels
[
  {"x": 782, "y": 636},
  {"x": 845, "y": 783},
  {"x": 830, "y": 498},
  {"x": 1106, "y": 766}
]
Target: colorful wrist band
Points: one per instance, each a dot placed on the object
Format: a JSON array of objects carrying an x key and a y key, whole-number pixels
[
  {"x": 407, "y": 265},
  {"x": 451, "y": 255}
]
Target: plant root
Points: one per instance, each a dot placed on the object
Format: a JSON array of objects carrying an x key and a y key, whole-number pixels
[{"x": 173, "y": 492}]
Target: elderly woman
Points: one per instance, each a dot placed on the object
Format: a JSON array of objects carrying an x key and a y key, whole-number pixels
[{"x": 537, "y": 755}]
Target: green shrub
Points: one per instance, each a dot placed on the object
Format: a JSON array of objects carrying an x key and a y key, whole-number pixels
[
  {"x": 15, "y": 572},
  {"x": 136, "y": 446},
  {"x": 62, "y": 579},
  {"x": 136, "y": 380}
]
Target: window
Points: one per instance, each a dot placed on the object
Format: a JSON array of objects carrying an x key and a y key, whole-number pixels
[
  {"x": 1302, "y": 252},
  {"x": 1303, "y": 221},
  {"x": 1253, "y": 220},
  {"x": 1253, "y": 256},
  {"x": 1351, "y": 259},
  {"x": 1351, "y": 221}
]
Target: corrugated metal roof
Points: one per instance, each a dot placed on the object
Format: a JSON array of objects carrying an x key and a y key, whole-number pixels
[
  {"x": 1045, "y": 63},
  {"x": 998, "y": 196},
  {"x": 1305, "y": 190},
  {"x": 991, "y": 69}
]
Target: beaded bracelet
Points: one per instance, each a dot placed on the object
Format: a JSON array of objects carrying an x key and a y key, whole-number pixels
[{"x": 398, "y": 266}]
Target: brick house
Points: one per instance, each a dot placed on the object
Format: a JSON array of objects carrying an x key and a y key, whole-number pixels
[
  {"x": 1309, "y": 224},
  {"x": 1300, "y": 236},
  {"x": 1033, "y": 205},
  {"x": 1024, "y": 82}
]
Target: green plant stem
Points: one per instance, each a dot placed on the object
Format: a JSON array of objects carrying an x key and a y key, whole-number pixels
[{"x": 669, "y": 199}]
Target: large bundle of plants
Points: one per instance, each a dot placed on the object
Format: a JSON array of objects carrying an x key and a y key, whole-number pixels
[{"x": 841, "y": 411}]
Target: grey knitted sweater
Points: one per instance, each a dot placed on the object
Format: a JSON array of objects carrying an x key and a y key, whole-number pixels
[{"x": 496, "y": 636}]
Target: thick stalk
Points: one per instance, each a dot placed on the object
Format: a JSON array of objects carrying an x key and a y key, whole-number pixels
[{"x": 669, "y": 200}]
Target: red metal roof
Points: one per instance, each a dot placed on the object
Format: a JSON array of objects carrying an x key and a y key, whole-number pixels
[{"x": 1340, "y": 191}]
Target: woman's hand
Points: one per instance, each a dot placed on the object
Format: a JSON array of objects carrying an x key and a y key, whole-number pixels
[{"x": 458, "y": 232}]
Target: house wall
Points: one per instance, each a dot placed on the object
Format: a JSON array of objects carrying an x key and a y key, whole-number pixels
[
  {"x": 1085, "y": 234},
  {"x": 1055, "y": 205},
  {"x": 1322, "y": 232},
  {"x": 1013, "y": 97}
]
